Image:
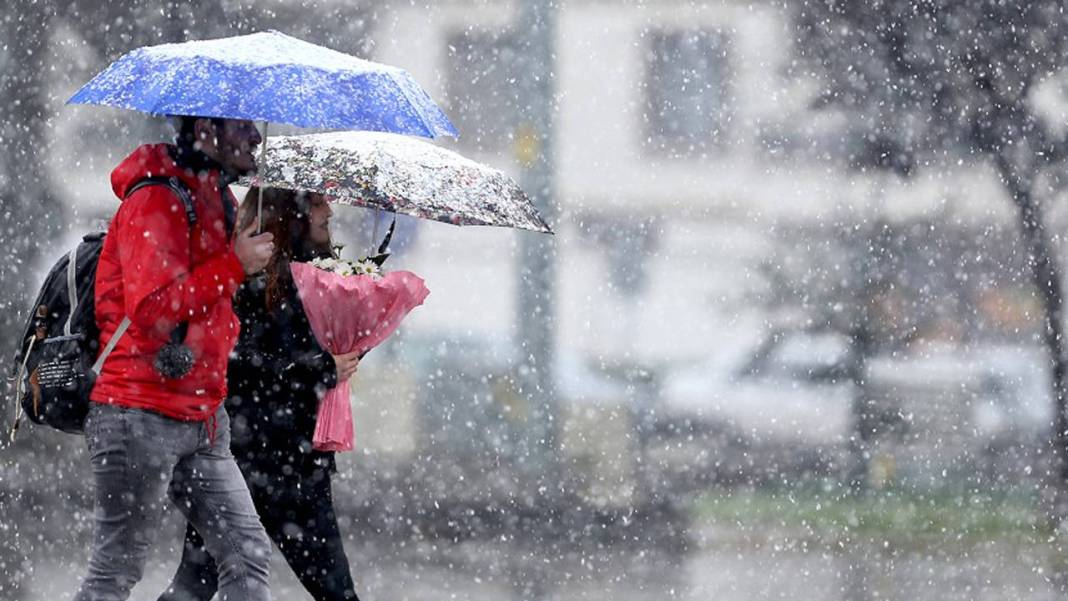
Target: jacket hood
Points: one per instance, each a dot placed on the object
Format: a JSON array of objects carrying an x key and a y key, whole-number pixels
[{"x": 159, "y": 160}]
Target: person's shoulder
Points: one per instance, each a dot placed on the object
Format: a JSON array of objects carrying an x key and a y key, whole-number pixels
[
  {"x": 147, "y": 160},
  {"x": 154, "y": 198}
]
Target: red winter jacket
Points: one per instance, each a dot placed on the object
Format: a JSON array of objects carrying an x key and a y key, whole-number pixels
[{"x": 144, "y": 273}]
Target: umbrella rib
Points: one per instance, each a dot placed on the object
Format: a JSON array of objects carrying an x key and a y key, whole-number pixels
[{"x": 415, "y": 105}]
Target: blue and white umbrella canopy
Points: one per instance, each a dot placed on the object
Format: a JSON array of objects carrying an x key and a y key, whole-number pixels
[{"x": 271, "y": 77}]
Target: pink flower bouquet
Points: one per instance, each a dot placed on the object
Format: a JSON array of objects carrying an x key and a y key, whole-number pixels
[{"x": 351, "y": 307}]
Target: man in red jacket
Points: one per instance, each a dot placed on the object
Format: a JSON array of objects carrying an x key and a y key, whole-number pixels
[{"x": 149, "y": 435}]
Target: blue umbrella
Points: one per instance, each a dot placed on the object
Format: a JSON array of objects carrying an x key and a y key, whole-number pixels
[{"x": 268, "y": 77}]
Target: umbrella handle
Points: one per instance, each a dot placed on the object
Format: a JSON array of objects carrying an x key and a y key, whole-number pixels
[
  {"x": 382, "y": 248},
  {"x": 262, "y": 163}
]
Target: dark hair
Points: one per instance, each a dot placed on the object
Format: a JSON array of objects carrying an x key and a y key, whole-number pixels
[
  {"x": 185, "y": 129},
  {"x": 285, "y": 214}
]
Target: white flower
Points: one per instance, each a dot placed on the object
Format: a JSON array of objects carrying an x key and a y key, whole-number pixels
[
  {"x": 327, "y": 264},
  {"x": 346, "y": 267},
  {"x": 367, "y": 267}
]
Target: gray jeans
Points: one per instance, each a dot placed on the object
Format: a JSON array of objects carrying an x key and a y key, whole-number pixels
[{"x": 141, "y": 457}]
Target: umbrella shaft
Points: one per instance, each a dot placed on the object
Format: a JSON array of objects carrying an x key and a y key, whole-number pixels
[
  {"x": 263, "y": 163},
  {"x": 374, "y": 232}
]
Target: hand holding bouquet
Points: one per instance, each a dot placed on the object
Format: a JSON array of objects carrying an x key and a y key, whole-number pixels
[{"x": 352, "y": 307}]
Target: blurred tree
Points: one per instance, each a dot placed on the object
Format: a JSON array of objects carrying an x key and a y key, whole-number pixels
[
  {"x": 932, "y": 79},
  {"x": 828, "y": 280},
  {"x": 27, "y": 203},
  {"x": 880, "y": 286}
]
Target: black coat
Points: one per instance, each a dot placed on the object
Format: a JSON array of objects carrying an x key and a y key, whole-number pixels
[{"x": 277, "y": 374}]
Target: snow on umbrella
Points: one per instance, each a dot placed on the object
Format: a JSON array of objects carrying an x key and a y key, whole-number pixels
[
  {"x": 398, "y": 174},
  {"x": 269, "y": 77}
]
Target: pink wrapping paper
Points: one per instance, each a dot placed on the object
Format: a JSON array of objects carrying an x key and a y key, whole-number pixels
[{"x": 351, "y": 313}]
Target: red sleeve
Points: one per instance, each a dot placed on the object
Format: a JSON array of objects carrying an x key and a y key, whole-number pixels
[{"x": 153, "y": 243}]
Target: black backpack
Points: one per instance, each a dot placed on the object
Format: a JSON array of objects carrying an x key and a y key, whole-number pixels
[{"x": 55, "y": 368}]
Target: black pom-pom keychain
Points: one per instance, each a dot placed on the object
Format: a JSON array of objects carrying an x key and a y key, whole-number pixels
[{"x": 175, "y": 360}]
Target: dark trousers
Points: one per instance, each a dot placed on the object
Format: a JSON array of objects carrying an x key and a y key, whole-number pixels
[{"x": 298, "y": 514}]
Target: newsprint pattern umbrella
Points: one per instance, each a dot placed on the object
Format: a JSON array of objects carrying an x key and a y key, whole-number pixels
[
  {"x": 398, "y": 174},
  {"x": 270, "y": 77}
]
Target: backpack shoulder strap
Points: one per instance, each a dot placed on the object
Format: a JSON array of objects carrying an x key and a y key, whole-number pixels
[
  {"x": 177, "y": 186},
  {"x": 114, "y": 340}
]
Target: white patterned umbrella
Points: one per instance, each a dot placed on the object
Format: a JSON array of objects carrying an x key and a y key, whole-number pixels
[{"x": 400, "y": 174}]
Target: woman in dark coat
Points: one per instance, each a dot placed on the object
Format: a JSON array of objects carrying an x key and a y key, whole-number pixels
[{"x": 276, "y": 376}]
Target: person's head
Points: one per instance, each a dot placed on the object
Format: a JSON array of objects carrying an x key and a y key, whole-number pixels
[
  {"x": 300, "y": 222},
  {"x": 229, "y": 142}
]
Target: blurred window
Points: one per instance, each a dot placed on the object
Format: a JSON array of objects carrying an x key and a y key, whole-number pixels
[
  {"x": 686, "y": 91},
  {"x": 483, "y": 97}
]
